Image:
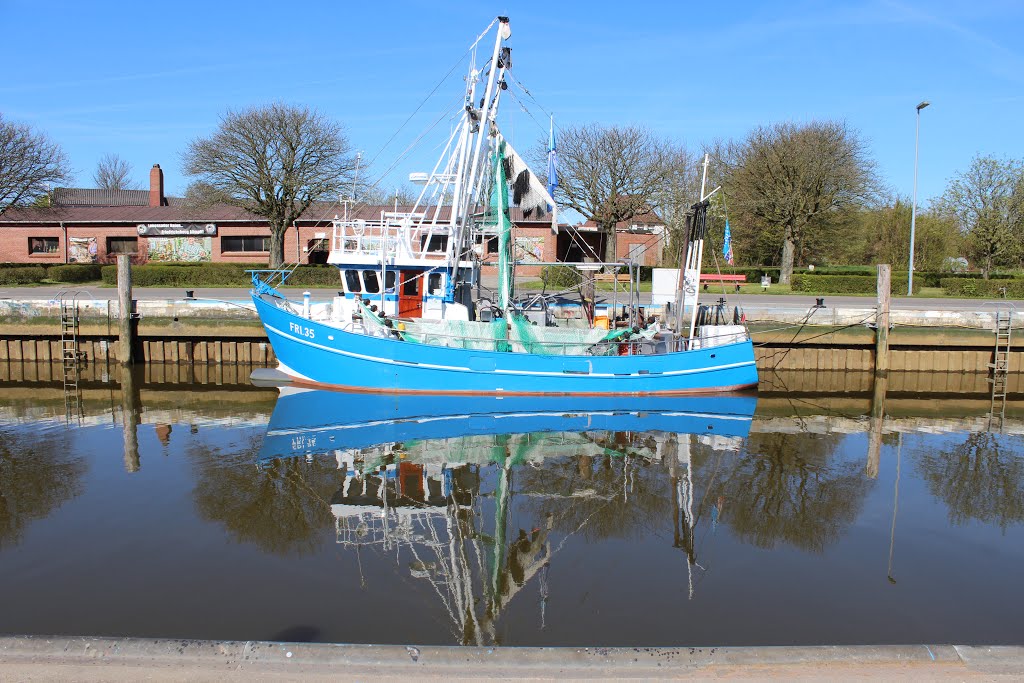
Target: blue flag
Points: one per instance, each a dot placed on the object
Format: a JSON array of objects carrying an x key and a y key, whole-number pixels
[
  {"x": 727, "y": 244},
  {"x": 552, "y": 160}
]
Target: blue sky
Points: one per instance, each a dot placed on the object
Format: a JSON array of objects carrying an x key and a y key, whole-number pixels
[{"x": 142, "y": 79}]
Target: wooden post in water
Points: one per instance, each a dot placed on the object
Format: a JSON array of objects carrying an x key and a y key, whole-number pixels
[
  {"x": 124, "y": 309},
  {"x": 130, "y": 419},
  {"x": 875, "y": 426},
  {"x": 882, "y": 319}
]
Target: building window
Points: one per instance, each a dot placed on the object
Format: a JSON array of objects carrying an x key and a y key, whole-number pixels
[
  {"x": 438, "y": 243},
  {"x": 122, "y": 245},
  {"x": 259, "y": 244},
  {"x": 488, "y": 244},
  {"x": 43, "y": 245}
]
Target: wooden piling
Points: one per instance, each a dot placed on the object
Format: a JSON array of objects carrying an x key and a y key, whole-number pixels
[
  {"x": 130, "y": 417},
  {"x": 882, "y": 319},
  {"x": 124, "y": 309},
  {"x": 875, "y": 426}
]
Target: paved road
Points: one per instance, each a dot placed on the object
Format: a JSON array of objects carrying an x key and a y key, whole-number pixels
[{"x": 747, "y": 301}]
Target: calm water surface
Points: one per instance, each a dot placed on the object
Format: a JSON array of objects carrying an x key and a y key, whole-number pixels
[{"x": 151, "y": 509}]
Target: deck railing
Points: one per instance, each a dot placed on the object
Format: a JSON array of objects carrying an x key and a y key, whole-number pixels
[{"x": 403, "y": 235}]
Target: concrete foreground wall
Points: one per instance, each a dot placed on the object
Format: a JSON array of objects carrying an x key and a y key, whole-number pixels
[{"x": 38, "y": 658}]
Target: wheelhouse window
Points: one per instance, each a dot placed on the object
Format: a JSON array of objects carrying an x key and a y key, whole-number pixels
[
  {"x": 389, "y": 280},
  {"x": 371, "y": 281},
  {"x": 122, "y": 245},
  {"x": 352, "y": 282},
  {"x": 43, "y": 245},
  {"x": 434, "y": 283},
  {"x": 235, "y": 243}
]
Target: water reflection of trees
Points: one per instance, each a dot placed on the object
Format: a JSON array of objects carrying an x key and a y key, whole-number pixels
[
  {"x": 37, "y": 476},
  {"x": 791, "y": 488},
  {"x": 281, "y": 506},
  {"x": 981, "y": 479}
]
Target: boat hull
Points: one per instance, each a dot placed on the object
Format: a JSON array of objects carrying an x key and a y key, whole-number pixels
[
  {"x": 319, "y": 355},
  {"x": 309, "y": 422}
]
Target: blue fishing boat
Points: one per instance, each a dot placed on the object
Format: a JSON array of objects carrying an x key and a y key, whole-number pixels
[{"x": 405, "y": 320}]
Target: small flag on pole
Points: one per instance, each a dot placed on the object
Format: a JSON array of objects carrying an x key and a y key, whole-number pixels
[
  {"x": 552, "y": 174},
  {"x": 552, "y": 160},
  {"x": 727, "y": 244}
]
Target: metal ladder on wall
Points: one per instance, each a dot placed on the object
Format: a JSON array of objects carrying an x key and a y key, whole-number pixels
[
  {"x": 999, "y": 368},
  {"x": 71, "y": 356}
]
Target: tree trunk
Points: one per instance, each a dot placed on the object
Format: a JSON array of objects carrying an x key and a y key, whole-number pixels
[
  {"x": 788, "y": 250},
  {"x": 610, "y": 246},
  {"x": 276, "y": 245}
]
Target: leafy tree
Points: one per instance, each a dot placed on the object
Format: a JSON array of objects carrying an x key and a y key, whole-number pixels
[
  {"x": 979, "y": 479},
  {"x": 113, "y": 173},
  {"x": 274, "y": 161},
  {"x": 884, "y": 235},
  {"x": 612, "y": 174},
  {"x": 987, "y": 201},
  {"x": 30, "y": 163},
  {"x": 793, "y": 179}
]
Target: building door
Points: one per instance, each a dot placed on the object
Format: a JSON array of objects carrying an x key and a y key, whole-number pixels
[{"x": 410, "y": 294}]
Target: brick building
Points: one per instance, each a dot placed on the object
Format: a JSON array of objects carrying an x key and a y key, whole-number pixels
[{"x": 94, "y": 226}]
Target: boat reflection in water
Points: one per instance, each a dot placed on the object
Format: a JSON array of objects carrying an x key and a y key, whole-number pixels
[{"x": 429, "y": 479}]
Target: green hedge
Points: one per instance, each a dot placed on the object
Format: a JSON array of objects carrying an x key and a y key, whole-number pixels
[
  {"x": 217, "y": 275},
  {"x": 75, "y": 272},
  {"x": 314, "y": 276},
  {"x": 845, "y": 284},
  {"x": 560, "y": 277},
  {"x": 955, "y": 286},
  {"x": 22, "y": 275}
]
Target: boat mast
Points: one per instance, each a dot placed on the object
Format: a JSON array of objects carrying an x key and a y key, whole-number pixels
[{"x": 485, "y": 116}]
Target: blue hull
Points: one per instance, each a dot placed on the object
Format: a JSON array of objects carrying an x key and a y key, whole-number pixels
[
  {"x": 311, "y": 422},
  {"x": 320, "y": 355}
]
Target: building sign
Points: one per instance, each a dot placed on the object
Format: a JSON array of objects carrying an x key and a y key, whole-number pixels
[{"x": 177, "y": 230}]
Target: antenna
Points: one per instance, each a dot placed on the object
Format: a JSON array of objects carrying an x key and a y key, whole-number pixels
[{"x": 355, "y": 176}]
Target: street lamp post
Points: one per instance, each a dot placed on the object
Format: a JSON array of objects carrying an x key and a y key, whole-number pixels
[{"x": 913, "y": 206}]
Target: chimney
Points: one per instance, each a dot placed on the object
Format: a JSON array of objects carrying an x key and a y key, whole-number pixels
[{"x": 156, "y": 186}]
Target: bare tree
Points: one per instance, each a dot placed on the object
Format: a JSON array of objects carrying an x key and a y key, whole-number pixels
[
  {"x": 987, "y": 201},
  {"x": 29, "y": 164},
  {"x": 612, "y": 174},
  {"x": 794, "y": 177},
  {"x": 672, "y": 201},
  {"x": 376, "y": 195},
  {"x": 274, "y": 161},
  {"x": 113, "y": 173}
]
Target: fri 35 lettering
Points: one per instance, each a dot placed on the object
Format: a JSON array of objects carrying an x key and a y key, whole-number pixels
[{"x": 300, "y": 330}]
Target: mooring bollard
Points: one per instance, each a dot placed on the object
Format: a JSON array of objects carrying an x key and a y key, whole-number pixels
[
  {"x": 882, "y": 319},
  {"x": 125, "y": 329}
]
